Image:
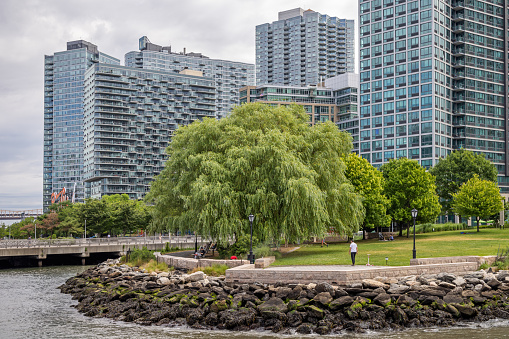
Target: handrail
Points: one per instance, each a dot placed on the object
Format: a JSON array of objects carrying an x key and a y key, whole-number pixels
[{"x": 39, "y": 243}]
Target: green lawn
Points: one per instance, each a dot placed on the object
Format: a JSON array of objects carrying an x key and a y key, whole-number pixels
[{"x": 399, "y": 251}]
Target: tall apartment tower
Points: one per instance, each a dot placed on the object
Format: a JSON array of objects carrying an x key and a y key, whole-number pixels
[
  {"x": 433, "y": 78},
  {"x": 229, "y": 76},
  {"x": 130, "y": 116},
  {"x": 303, "y": 48},
  {"x": 63, "y": 116}
]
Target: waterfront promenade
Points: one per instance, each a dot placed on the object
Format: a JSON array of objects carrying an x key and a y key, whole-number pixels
[{"x": 42, "y": 248}]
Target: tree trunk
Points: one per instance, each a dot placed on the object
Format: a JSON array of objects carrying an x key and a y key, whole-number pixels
[
  {"x": 407, "y": 229},
  {"x": 477, "y": 224},
  {"x": 400, "y": 230}
]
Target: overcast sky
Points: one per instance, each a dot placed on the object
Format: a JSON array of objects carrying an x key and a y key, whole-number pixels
[{"x": 222, "y": 29}]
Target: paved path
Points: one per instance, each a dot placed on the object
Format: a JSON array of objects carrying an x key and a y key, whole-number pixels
[{"x": 324, "y": 268}]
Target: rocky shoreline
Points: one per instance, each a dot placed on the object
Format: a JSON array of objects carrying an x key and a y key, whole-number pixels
[{"x": 127, "y": 294}]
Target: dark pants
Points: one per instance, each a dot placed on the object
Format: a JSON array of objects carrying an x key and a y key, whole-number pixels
[{"x": 352, "y": 254}]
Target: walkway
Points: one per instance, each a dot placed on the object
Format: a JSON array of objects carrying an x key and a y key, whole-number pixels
[{"x": 338, "y": 274}]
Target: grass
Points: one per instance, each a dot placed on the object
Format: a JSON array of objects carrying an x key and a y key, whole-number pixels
[
  {"x": 153, "y": 266},
  {"x": 214, "y": 270},
  {"x": 399, "y": 251}
]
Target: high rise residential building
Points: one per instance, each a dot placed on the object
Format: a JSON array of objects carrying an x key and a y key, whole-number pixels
[
  {"x": 433, "y": 78},
  {"x": 303, "y": 48},
  {"x": 130, "y": 116},
  {"x": 334, "y": 100},
  {"x": 63, "y": 116},
  {"x": 229, "y": 76}
]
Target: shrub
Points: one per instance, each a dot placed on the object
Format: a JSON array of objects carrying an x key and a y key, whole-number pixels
[
  {"x": 265, "y": 251},
  {"x": 214, "y": 270},
  {"x": 484, "y": 266},
  {"x": 139, "y": 257},
  {"x": 429, "y": 228},
  {"x": 154, "y": 266},
  {"x": 240, "y": 248}
]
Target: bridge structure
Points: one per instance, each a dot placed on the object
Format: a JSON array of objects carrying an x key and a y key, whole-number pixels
[
  {"x": 41, "y": 249},
  {"x": 15, "y": 215}
]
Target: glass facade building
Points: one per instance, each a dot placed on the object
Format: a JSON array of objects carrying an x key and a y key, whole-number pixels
[
  {"x": 335, "y": 101},
  {"x": 433, "y": 78},
  {"x": 229, "y": 76},
  {"x": 130, "y": 116},
  {"x": 63, "y": 116},
  {"x": 303, "y": 48}
]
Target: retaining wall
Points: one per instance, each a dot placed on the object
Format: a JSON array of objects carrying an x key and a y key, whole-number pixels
[
  {"x": 447, "y": 260},
  {"x": 189, "y": 263},
  {"x": 334, "y": 275}
]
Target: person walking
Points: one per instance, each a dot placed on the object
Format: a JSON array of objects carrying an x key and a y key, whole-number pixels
[{"x": 353, "y": 251}]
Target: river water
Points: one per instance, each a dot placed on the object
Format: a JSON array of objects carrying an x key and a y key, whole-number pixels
[{"x": 31, "y": 306}]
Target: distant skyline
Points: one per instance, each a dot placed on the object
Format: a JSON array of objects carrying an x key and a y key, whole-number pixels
[{"x": 220, "y": 29}]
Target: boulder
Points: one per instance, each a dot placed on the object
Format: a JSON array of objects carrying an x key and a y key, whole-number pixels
[
  {"x": 383, "y": 299},
  {"x": 446, "y": 284},
  {"x": 372, "y": 283},
  {"x": 341, "y": 302},
  {"x": 273, "y": 304},
  {"x": 398, "y": 289},
  {"x": 466, "y": 311},
  {"x": 324, "y": 287},
  {"x": 448, "y": 277},
  {"x": 196, "y": 276},
  {"x": 459, "y": 281},
  {"x": 453, "y": 298},
  {"x": 323, "y": 299}
]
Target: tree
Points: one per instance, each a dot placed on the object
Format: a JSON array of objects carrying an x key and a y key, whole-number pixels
[
  {"x": 409, "y": 186},
  {"x": 477, "y": 197},
  {"x": 369, "y": 183},
  {"x": 261, "y": 160},
  {"x": 456, "y": 169}
]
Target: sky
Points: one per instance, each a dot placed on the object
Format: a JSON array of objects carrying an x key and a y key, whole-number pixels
[{"x": 30, "y": 29}]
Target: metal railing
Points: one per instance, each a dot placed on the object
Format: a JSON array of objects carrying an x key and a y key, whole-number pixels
[{"x": 174, "y": 241}]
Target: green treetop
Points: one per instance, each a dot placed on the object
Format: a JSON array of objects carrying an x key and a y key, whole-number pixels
[
  {"x": 479, "y": 198},
  {"x": 456, "y": 169},
  {"x": 408, "y": 186},
  {"x": 369, "y": 183},
  {"x": 260, "y": 160}
]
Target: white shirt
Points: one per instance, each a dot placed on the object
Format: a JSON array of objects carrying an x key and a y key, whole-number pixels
[{"x": 353, "y": 247}]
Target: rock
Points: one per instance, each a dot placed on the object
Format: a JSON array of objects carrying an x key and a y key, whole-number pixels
[
  {"x": 325, "y": 287},
  {"x": 383, "y": 299},
  {"x": 459, "y": 281},
  {"x": 478, "y": 287},
  {"x": 273, "y": 304},
  {"x": 475, "y": 275},
  {"x": 295, "y": 293},
  {"x": 305, "y": 329},
  {"x": 385, "y": 280},
  {"x": 341, "y": 302},
  {"x": 283, "y": 292},
  {"x": 399, "y": 316},
  {"x": 295, "y": 318},
  {"x": 232, "y": 319},
  {"x": 339, "y": 292},
  {"x": 218, "y": 306},
  {"x": 453, "y": 298},
  {"x": 371, "y": 283},
  {"x": 406, "y": 300},
  {"x": 311, "y": 286},
  {"x": 323, "y": 299},
  {"x": 452, "y": 310},
  {"x": 502, "y": 275},
  {"x": 448, "y": 285},
  {"x": 465, "y": 311},
  {"x": 398, "y": 289},
  {"x": 314, "y": 311},
  {"x": 196, "y": 276},
  {"x": 163, "y": 281},
  {"x": 429, "y": 290},
  {"x": 494, "y": 283},
  {"x": 163, "y": 274},
  {"x": 447, "y": 277}
]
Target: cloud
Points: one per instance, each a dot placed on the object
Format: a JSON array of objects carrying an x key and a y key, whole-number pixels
[{"x": 30, "y": 29}]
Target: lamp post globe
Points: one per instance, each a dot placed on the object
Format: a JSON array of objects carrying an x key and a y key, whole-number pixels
[
  {"x": 414, "y": 216},
  {"x": 251, "y": 256}
]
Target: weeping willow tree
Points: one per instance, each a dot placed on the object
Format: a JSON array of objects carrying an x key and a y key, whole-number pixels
[{"x": 263, "y": 161}]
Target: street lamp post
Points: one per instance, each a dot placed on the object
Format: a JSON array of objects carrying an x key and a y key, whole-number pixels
[
  {"x": 414, "y": 216},
  {"x": 35, "y": 227},
  {"x": 251, "y": 256}
]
